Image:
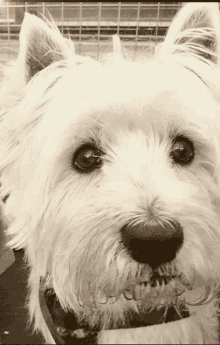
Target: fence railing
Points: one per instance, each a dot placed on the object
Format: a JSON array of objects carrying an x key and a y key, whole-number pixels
[{"x": 94, "y": 22}]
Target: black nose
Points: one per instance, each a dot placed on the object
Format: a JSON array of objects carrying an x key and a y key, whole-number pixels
[{"x": 153, "y": 244}]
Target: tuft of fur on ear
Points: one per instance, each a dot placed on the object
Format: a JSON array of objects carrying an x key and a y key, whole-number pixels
[
  {"x": 116, "y": 45},
  {"x": 41, "y": 45},
  {"x": 196, "y": 26}
]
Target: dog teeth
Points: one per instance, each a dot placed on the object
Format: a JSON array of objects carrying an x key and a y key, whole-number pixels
[
  {"x": 185, "y": 282},
  {"x": 152, "y": 289},
  {"x": 102, "y": 298},
  {"x": 128, "y": 294},
  {"x": 179, "y": 287},
  {"x": 111, "y": 299},
  {"x": 161, "y": 271},
  {"x": 160, "y": 282}
]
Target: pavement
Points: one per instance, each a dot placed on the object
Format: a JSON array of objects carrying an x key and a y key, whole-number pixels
[{"x": 13, "y": 312}]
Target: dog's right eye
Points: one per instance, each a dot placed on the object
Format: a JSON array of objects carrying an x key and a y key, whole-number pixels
[
  {"x": 182, "y": 151},
  {"x": 87, "y": 158}
]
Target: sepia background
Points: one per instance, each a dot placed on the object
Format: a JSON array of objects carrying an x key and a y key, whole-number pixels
[{"x": 91, "y": 24}]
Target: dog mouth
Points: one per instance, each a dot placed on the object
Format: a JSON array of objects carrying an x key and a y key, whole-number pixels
[
  {"x": 158, "y": 300},
  {"x": 155, "y": 292}
]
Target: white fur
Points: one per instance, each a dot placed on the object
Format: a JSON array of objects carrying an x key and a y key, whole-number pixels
[{"x": 69, "y": 223}]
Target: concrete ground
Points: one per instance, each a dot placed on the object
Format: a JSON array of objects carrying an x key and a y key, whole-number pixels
[{"x": 13, "y": 313}]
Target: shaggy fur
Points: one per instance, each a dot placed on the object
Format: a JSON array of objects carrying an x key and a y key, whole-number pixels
[{"x": 131, "y": 115}]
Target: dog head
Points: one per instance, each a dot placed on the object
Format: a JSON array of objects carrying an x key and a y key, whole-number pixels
[{"x": 113, "y": 170}]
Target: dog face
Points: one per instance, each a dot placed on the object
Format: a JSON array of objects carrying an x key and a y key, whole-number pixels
[{"x": 113, "y": 171}]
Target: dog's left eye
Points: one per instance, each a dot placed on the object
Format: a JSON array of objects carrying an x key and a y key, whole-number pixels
[
  {"x": 182, "y": 151},
  {"x": 87, "y": 158}
]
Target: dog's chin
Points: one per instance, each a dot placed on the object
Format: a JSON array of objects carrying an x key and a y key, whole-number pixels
[
  {"x": 153, "y": 302},
  {"x": 156, "y": 292},
  {"x": 156, "y": 297},
  {"x": 158, "y": 300}
]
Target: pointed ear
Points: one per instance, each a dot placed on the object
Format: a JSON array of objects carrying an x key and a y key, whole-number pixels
[
  {"x": 203, "y": 19},
  {"x": 40, "y": 46}
]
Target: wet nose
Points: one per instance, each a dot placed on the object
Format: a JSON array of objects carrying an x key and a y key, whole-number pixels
[{"x": 153, "y": 244}]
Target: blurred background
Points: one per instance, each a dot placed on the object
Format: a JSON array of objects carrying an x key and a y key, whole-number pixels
[{"x": 91, "y": 25}]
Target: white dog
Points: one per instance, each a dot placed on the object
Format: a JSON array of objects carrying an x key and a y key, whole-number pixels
[{"x": 113, "y": 176}]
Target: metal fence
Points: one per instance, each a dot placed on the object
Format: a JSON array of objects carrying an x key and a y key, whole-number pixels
[{"x": 92, "y": 24}]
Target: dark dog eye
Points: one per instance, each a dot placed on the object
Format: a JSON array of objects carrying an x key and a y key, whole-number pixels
[
  {"x": 182, "y": 151},
  {"x": 87, "y": 158}
]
